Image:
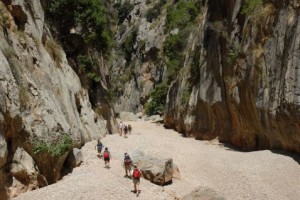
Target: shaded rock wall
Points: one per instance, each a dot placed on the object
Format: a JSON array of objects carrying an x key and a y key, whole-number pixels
[{"x": 244, "y": 83}]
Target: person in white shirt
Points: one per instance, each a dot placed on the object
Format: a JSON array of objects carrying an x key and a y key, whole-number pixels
[{"x": 121, "y": 127}]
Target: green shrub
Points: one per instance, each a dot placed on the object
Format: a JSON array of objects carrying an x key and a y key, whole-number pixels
[
  {"x": 127, "y": 45},
  {"x": 92, "y": 15},
  {"x": 157, "y": 101},
  {"x": 250, "y": 6},
  {"x": 174, "y": 46},
  {"x": 155, "y": 11},
  {"x": 184, "y": 12},
  {"x": 94, "y": 77},
  {"x": 62, "y": 146},
  {"x": 186, "y": 96},
  {"x": 233, "y": 53},
  {"x": 124, "y": 10},
  {"x": 84, "y": 62}
]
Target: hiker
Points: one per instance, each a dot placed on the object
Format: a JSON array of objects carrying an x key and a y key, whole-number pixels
[
  {"x": 129, "y": 128},
  {"x": 136, "y": 175},
  {"x": 106, "y": 157},
  {"x": 127, "y": 165},
  {"x": 125, "y": 130},
  {"x": 99, "y": 147},
  {"x": 121, "y": 127}
]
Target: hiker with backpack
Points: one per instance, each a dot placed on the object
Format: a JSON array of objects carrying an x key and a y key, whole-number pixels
[
  {"x": 106, "y": 157},
  {"x": 129, "y": 128},
  {"x": 99, "y": 147},
  {"x": 136, "y": 175},
  {"x": 127, "y": 165},
  {"x": 125, "y": 130}
]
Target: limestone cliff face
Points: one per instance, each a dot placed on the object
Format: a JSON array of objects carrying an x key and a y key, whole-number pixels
[
  {"x": 238, "y": 79},
  {"x": 138, "y": 67},
  {"x": 41, "y": 97},
  {"x": 243, "y": 84}
]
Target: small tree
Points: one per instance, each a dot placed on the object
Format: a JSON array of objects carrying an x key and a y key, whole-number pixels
[{"x": 157, "y": 101}]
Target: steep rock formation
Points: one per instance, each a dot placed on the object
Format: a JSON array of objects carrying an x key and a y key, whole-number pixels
[
  {"x": 236, "y": 68},
  {"x": 243, "y": 83},
  {"x": 43, "y": 103},
  {"x": 138, "y": 67}
]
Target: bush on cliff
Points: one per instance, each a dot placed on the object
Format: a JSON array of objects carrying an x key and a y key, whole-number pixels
[
  {"x": 156, "y": 103},
  {"x": 182, "y": 13},
  {"x": 91, "y": 15},
  {"x": 63, "y": 145},
  {"x": 250, "y": 6}
]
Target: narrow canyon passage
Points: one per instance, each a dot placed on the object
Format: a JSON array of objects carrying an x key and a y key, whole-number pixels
[{"x": 202, "y": 164}]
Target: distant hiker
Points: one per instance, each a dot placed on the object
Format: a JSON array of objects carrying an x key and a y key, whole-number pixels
[
  {"x": 129, "y": 128},
  {"x": 99, "y": 147},
  {"x": 127, "y": 164},
  {"x": 125, "y": 130},
  {"x": 106, "y": 157},
  {"x": 121, "y": 127},
  {"x": 136, "y": 175}
]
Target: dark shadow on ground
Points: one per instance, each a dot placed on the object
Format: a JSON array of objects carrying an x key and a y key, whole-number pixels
[
  {"x": 231, "y": 147},
  {"x": 295, "y": 156}
]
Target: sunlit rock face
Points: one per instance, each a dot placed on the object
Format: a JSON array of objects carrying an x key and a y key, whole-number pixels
[
  {"x": 41, "y": 98},
  {"x": 244, "y": 88}
]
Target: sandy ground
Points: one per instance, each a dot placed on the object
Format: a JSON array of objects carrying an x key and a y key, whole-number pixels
[{"x": 234, "y": 175}]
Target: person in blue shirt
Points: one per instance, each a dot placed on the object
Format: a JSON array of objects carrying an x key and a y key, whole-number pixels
[{"x": 99, "y": 147}]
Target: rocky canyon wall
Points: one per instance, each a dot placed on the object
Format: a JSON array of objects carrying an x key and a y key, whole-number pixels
[
  {"x": 44, "y": 109},
  {"x": 243, "y": 84},
  {"x": 231, "y": 68}
]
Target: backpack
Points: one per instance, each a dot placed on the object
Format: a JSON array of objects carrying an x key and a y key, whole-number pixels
[
  {"x": 127, "y": 160},
  {"x": 105, "y": 154},
  {"x": 99, "y": 145},
  {"x": 125, "y": 129},
  {"x": 136, "y": 174}
]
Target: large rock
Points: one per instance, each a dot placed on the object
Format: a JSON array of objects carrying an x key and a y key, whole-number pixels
[
  {"x": 157, "y": 170},
  {"x": 25, "y": 170}
]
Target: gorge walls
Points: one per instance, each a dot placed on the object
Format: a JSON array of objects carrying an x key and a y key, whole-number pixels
[{"x": 44, "y": 109}]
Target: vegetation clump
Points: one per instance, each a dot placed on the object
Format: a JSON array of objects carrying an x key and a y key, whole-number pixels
[
  {"x": 157, "y": 101},
  {"x": 124, "y": 10},
  {"x": 58, "y": 148},
  {"x": 128, "y": 44},
  {"x": 155, "y": 11},
  {"x": 54, "y": 50},
  {"x": 174, "y": 46},
  {"x": 249, "y": 6},
  {"x": 181, "y": 14},
  {"x": 85, "y": 65},
  {"x": 91, "y": 15}
]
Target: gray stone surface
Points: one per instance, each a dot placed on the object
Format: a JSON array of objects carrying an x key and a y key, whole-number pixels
[
  {"x": 159, "y": 171},
  {"x": 41, "y": 96}
]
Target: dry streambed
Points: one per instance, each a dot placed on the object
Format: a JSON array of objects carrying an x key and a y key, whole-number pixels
[{"x": 207, "y": 168}]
